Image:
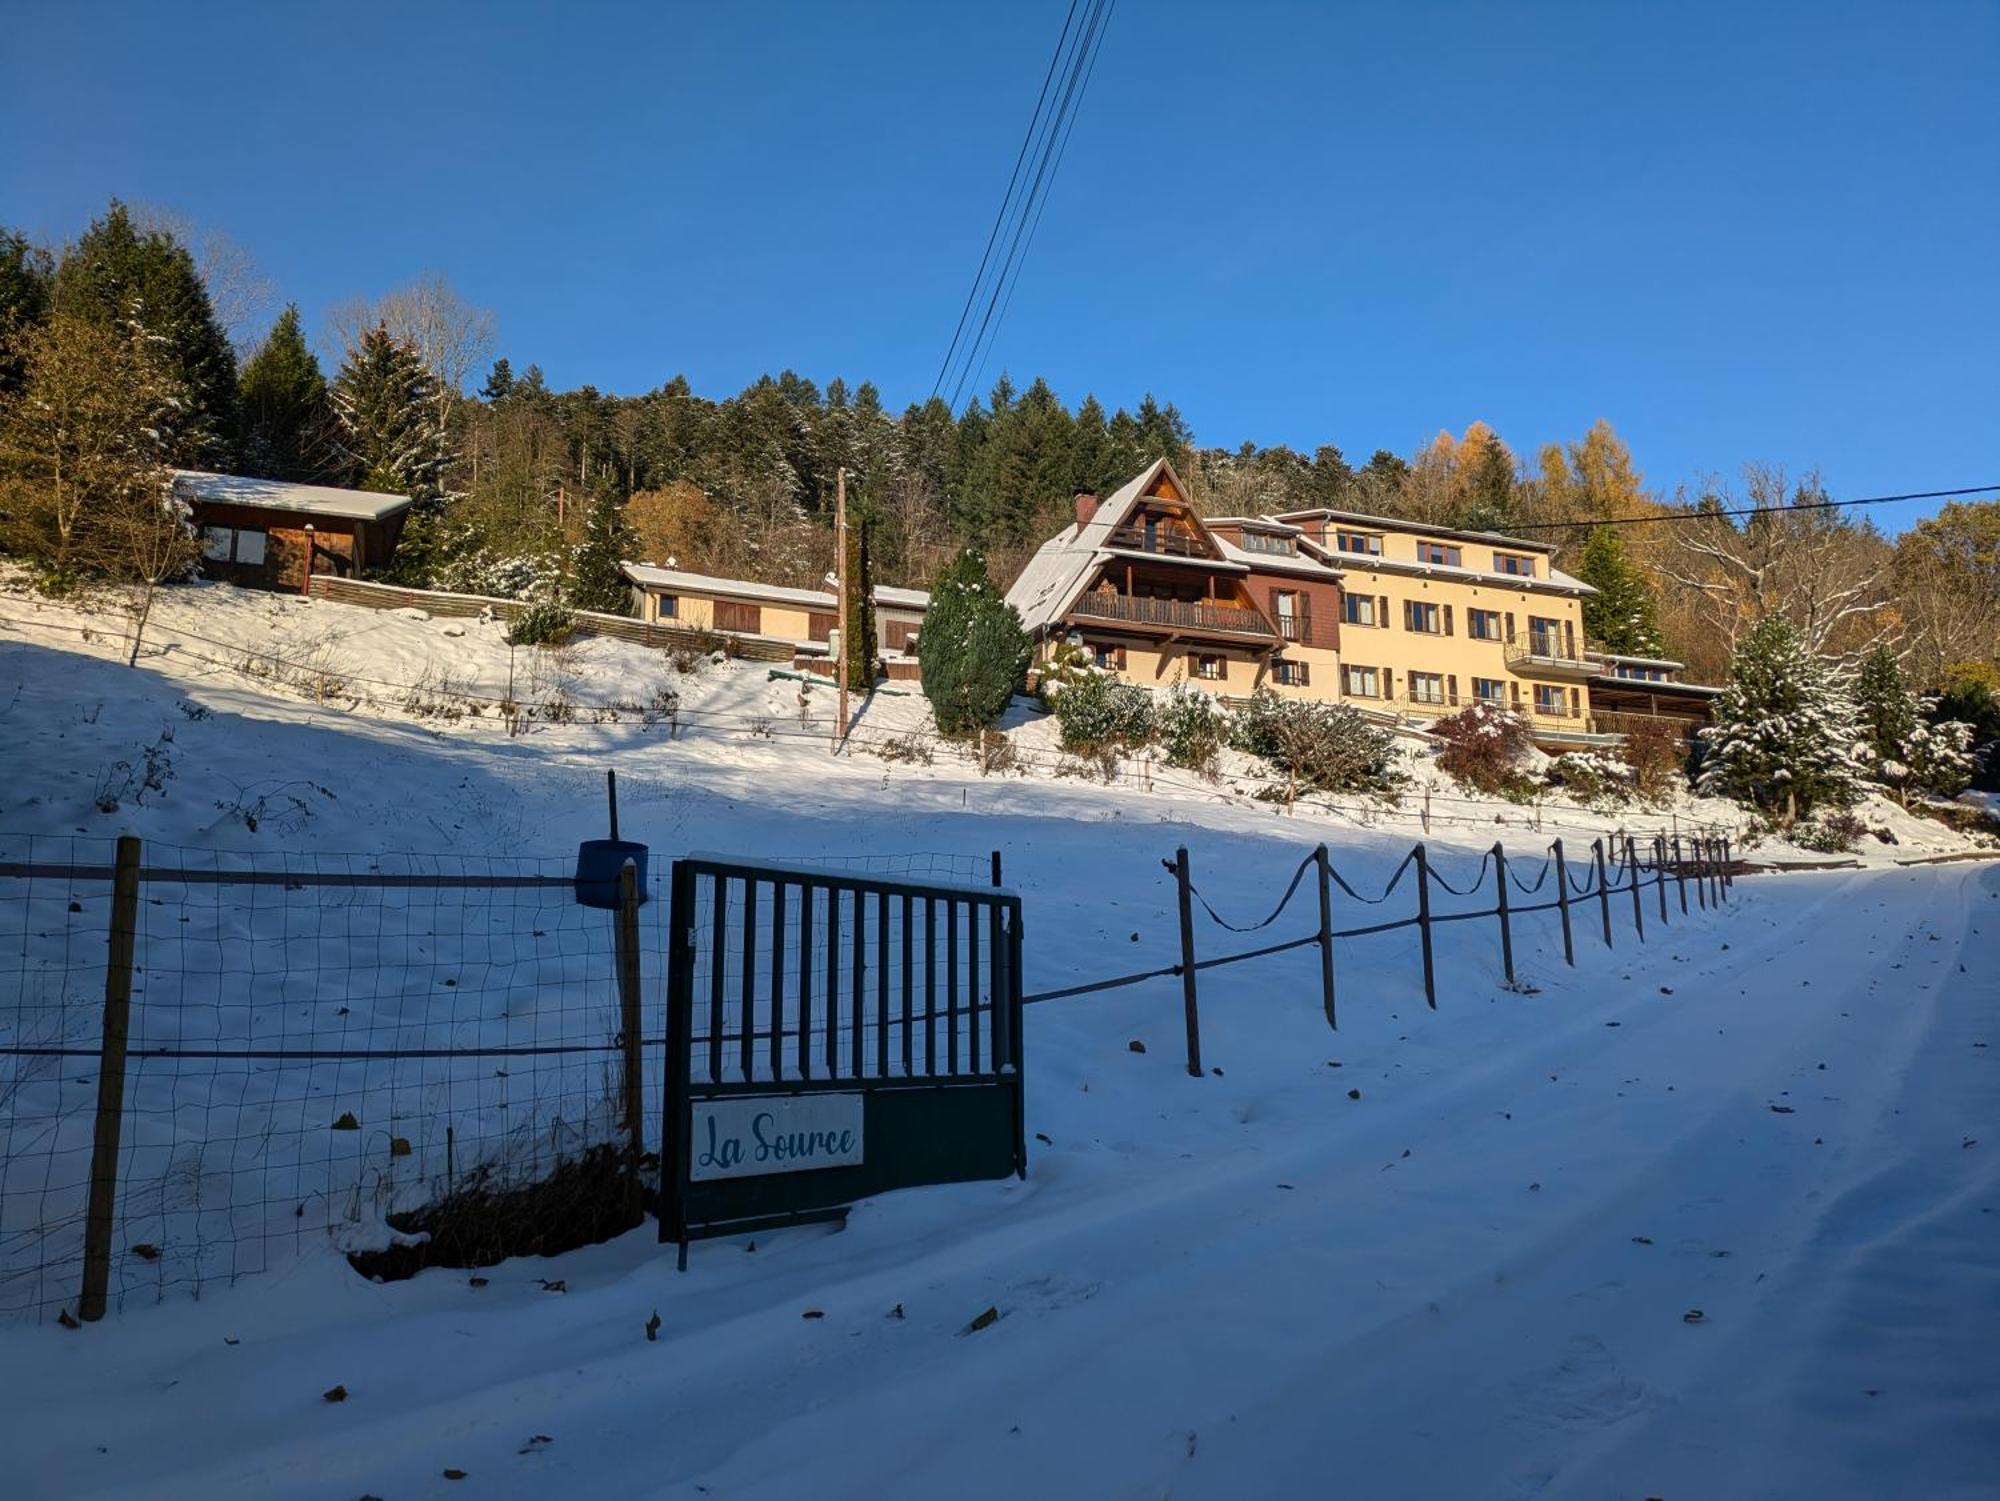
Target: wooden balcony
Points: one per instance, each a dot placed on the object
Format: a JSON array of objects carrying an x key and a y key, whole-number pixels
[
  {"x": 1165, "y": 542},
  {"x": 1175, "y": 615}
]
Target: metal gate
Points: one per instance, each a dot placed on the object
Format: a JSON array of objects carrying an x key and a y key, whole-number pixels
[{"x": 832, "y": 1036}]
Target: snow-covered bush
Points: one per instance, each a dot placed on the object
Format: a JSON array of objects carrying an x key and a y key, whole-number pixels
[
  {"x": 1192, "y": 728},
  {"x": 1098, "y": 713},
  {"x": 1785, "y": 731},
  {"x": 1593, "y": 779},
  {"x": 542, "y": 625},
  {"x": 1317, "y": 747},
  {"x": 1833, "y": 832},
  {"x": 1485, "y": 747},
  {"x": 1067, "y": 664}
]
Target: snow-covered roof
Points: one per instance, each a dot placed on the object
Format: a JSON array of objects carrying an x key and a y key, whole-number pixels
[
  {"x": 282, "y": 495},
  {"x": 1061, "y": 566},
  {"x": 1311, "y": 564},
  {"x": 1557, "y": 582},
  {"x": 675, "y": 580}
]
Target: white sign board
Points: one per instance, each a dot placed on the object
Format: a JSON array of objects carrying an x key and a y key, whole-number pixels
[{"x": 745, "y": 1138}]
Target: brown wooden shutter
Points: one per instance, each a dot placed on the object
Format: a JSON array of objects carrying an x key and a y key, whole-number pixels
[
  {"x": 1451, "y": 689},
  {"x": 1118, "y": 657},
  {"x": 1447, "y": 620},
  {"x": 1388, "y": 683},
  {"x": 1575, "y": 704},
  {"x": 1510, "y": 638},
  {"x": 1382, "y": 611},
  {"x": 1304, "y": 674},
  {"x": 820, "y": 624},
  {"x": 1517, "y": 696},
  {"x": 1305, "y": 618},
  {"x": 732, "y": 615}
]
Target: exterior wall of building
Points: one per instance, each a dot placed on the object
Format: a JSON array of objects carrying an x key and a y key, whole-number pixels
[
  {"x": 786, "y": 621},
  {"x": 341, "y": 545},
  {"x": 1316, "y": 645}
]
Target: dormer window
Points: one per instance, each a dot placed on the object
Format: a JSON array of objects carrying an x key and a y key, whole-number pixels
[
  {"x": 1518, "y": 564},
  {"x": 1268, "y": 542},
  {"x": 1438, "y": 553},
  {"x": 1366, "y": 544}
]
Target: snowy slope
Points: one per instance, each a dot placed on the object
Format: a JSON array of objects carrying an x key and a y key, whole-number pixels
[{"x": 1245, "y": 1284}]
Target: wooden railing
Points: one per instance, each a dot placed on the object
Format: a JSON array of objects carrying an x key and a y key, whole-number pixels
[
  {"x": 1190, "y": 614},
  {"x": 1174, "y": 544}
]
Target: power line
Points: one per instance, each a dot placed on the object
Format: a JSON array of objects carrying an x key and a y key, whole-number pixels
[
  {"x": 1706, "y": 512},
  {"x": 1048, "y": 134},
  {"x": 1000, "y": 218}
]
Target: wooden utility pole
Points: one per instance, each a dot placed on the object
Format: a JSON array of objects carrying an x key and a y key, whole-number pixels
[{"x": 840, "y": 538}]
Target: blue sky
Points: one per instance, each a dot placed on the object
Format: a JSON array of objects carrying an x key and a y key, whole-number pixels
[{"x": 1740, "y": 232}]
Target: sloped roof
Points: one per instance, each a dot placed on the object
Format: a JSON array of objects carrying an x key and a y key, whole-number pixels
[
  {"x": 1061, "y": 566},
  {"x": 282, "y": 495},
  {"x": 648, "y": 577}
]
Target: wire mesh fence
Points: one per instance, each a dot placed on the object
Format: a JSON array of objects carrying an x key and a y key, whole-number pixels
[{"x": 315, "y": 1044}]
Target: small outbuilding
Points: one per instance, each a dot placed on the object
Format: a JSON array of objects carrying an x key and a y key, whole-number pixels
[{"x": 274, "y": 534}]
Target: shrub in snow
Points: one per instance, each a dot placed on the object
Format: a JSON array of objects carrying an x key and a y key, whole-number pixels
[
  {"x": 542, "y": 625},
  {"x": 972, "y": 653},
  {"x": 1318, "y": 747},
  {"x": 1657, "y": 757},
  {"x": 1971, "y": 701},
  {"x": 1099, "y": 714},
  {"x": 1784, "y": 733},
  {"x": 1592, "y": 778},
  {"x": 1068, "y": 663},
  {"x": 1833, "y": 832},
  {"x": 1192, "y": 728},
  {"x": 1486, "y": 748}
]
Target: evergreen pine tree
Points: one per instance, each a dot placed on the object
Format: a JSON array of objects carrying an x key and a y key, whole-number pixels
[
  {"x": 499, "y": 381},
  {"x": 1622, "y": 616},
  {"x": 595, "y": 582},
  {"x": 1784, "y": 733},
  {"x": 116, "y": 274},
  {"x": 972, "y": 652},
  {"x": 284, "y": 405},
  {"x": 1899, "y": 746},
  {"x": 386, "y": 419},
  {"x": 24, "y": 302},
  {"x": 1488, "y": 504},
  {"x": 859, "y": 645}
]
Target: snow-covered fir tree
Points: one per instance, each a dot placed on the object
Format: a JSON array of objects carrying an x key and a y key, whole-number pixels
[
  {"x": 1899, "y": 746},
  {"x": 595, "y": 582},
  {"x": 387, "y": 419},
  {"x": 1785, "y": 730}
]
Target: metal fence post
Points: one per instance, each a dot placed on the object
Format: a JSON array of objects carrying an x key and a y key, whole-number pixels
[
  {"x": 1562, "y": 904},
  {"x": 1603, "y": 889},
  {"x": 1184, "y": 880},
  {"x": 628, "y": 1005},
  {"x": 1714, "y": 871},
  {"x": 1506, "y": 933},
  {"x": 100, "y": 1215},
  {"x": 1638, "y": 907},
  {"x": 1424, "y": 925},
  {"x": 1326, "y": 933}
]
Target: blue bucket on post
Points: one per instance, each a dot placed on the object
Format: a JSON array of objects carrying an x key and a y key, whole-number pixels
[{"x": 598, "y": 862}]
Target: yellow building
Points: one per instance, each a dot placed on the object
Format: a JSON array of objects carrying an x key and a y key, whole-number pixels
[
  {"x": 1433, "y": 618},
  {"x": 1403, "y": 621},
  {"x": 802, "y": 618}
]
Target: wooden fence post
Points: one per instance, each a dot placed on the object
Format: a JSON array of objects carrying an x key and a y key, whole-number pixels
[
  {"x": 1660, "y": 873},
  {"x": 1506, "y": 933},
  {"x": 1728, "y": 865},
  {"x": 1700, "y": 872},
  {"x": 1638, "y": 907},
  {"x": 101, "y": 1212},
  {"x": 1184, "y": 879},
  {"x": 1715, "y": 870},
  {"x": 1603, "y": 889},
  {"x": 1680, "y": 875},
  {"x": 629, "y": 989},
  {"x": 1326, "y": 933},
  {"x": 1562, "y": 905},
  {"x": 1424, "y": 925}
]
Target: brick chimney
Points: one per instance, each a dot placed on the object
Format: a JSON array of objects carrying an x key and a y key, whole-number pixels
[{"x": 1086, "y": 507}]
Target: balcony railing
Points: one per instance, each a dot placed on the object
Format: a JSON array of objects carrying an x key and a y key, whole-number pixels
[
  {"x": 1296, "y": 628},
  {"x": 1184, "y": 614},
  {"x": 1547, "y": 649},
  {"x": 1172, "y": 544}
]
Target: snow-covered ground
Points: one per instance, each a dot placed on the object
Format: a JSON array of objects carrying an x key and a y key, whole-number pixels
[{"x": 1473, "y": 1279}]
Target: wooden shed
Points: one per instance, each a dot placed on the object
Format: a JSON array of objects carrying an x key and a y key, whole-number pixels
[{"x": 257, "y": 531}]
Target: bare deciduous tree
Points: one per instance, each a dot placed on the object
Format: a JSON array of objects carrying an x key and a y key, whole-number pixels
[
  {"x": 1824, "y": 574},
  {"x": 241, "y": 295}
]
